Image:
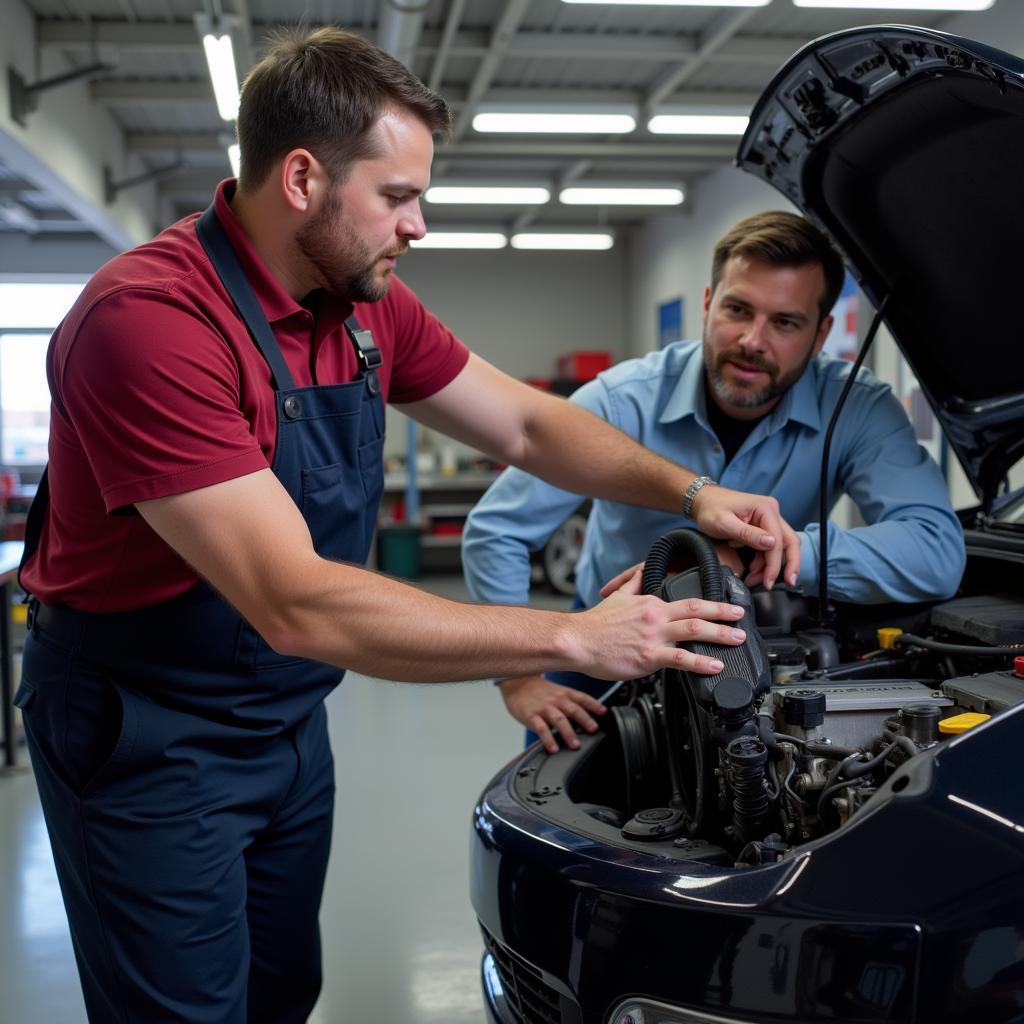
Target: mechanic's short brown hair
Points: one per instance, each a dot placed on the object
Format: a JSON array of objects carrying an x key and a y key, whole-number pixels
[
  {"x": 782, "y": 239},
  {"x": 323, "y": 90}
]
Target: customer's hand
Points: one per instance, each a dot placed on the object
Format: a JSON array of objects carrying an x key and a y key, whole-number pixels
[{"x": 543, "y": 706}]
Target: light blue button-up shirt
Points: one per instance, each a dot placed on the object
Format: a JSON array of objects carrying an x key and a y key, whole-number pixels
[{"x": 911, "y": 549}]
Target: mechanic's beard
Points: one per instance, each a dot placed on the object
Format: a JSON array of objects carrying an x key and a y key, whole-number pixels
[
  {"x": 343, "y": 261},
  {"x": 739, "y": 395}
]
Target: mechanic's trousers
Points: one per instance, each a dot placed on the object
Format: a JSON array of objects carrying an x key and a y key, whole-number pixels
[{"x": 191, "y": 864}]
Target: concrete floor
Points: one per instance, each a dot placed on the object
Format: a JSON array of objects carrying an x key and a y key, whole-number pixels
[{"x": 400, "y": 940}]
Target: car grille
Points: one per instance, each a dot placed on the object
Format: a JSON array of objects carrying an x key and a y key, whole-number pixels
[{"x": 528, "y": 996}]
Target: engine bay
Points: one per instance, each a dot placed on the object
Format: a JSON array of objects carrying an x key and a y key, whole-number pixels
[{"x": 799, "y": 732}]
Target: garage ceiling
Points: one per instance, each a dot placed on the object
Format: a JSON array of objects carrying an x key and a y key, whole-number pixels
[{"x": 156, "y": 87}]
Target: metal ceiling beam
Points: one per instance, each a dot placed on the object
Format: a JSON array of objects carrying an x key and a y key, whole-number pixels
[
  {"x": 135, "y": 35},
  {"x": 721, "y": 29},
  {"x": 173, "y": 142},
  {"x": 772, "y": 51},
  {"x": 112, "y": 92},
  {"x": 451, "y": 26},
  {"x": 179, "y": 36}
]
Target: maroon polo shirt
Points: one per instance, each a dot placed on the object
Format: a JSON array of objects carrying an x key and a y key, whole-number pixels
[{"x": 158, "y": 389}]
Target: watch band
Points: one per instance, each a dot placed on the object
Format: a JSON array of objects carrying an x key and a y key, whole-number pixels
[{"x": 691, "y": 493}]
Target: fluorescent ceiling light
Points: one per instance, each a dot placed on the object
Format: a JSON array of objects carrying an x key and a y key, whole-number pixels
[
  {"x": 595, "y": 195},
  {"x": 220, "y": 57},
  {"x": 235, "y": 158},
  {"x": 895, "y": 5},
  {"x": 554, "y": 122},
  {"x": 522, "y": 195},
  {"x": 460, "y": 240},
  {"x": 676, "y": 3},
  {"x": 698, "y": 124},
  {"x": 562, "y": 240}
]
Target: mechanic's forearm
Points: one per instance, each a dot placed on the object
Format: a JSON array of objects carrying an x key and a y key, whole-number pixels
[
  {"x": 381, "y": 627},
  {"x": 577, "y": 451}
]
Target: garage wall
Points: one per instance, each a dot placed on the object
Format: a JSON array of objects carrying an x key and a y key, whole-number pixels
[{"x": 520, "y": 310}]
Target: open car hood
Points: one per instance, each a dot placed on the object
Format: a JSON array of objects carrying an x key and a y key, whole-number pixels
[{"x": 907, "y": 146}]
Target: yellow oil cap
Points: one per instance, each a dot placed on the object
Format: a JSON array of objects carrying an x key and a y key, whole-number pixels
[
  {"x": 887, "y": 637},
  {"x": 961, "y": 723}
]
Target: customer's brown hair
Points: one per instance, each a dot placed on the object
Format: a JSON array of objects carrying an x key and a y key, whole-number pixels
[
  {"x": 782, "y": 239},
  {"x": 323, "y": 90}
]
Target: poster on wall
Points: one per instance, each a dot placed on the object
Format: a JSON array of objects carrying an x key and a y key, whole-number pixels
[
  {"x": 842, "y": 339},
  {"x": 670, "y": 322}
]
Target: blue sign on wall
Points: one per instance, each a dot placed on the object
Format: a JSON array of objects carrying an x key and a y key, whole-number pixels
[{"x": 670, "y": 322}]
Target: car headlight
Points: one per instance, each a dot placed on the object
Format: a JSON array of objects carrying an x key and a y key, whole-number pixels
[{"x": 647, "y": 1011}]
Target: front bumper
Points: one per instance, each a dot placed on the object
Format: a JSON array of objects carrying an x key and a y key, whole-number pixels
[{"x": 877, "y": 923}]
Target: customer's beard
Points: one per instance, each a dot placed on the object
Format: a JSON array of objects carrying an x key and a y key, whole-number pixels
[{"x": 738, "y": 396}]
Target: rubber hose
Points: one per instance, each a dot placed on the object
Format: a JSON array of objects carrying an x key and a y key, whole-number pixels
[
  {"x": 696, "y": 544},
  {"x": 937, "y": 645}
]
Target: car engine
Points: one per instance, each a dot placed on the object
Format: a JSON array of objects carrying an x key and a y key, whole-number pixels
[{"x": 806, "y": 721}]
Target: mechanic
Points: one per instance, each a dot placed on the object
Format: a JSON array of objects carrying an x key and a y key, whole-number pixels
[
  {"x": 747, "y": 406},
  {"x": 215, "y": 471}
]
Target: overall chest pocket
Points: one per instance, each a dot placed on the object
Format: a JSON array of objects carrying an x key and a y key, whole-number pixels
[{"x": 339, "y": 503}]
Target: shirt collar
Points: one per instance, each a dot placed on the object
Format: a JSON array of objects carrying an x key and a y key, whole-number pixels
[
  {"x": 687, "y": 397},
  {"x": 799, "y": 403},
  {"x": 276, "y": 302}
]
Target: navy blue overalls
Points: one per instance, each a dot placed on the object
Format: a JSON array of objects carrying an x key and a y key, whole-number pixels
[{"x": 184, "y": 766}]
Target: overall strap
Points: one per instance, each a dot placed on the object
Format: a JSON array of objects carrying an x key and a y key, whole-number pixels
[
  {"x": 225, "y": 261},
  {"x": 367, "y": 353}
]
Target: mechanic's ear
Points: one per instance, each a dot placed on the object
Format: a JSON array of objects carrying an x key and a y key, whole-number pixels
[
  {"x": 823, "y": 328},
  {"x": 707, "y": 301},
  {"x": 303, "y": 180}
]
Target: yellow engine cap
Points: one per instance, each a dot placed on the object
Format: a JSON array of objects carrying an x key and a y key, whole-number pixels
[
  {"x": 961, "y": 723},
  {"x": 887, "y": 637}
]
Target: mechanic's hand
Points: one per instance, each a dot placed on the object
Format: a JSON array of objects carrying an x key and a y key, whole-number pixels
[
  {"x": 754, "y": 521},
  {"x": 542, "y": 706},
  {"x": 629, "y": 635},
  {"x": 622, "y": 579}
]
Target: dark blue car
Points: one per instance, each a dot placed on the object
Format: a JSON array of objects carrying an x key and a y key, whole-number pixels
[{"x": 838, "y": 834}]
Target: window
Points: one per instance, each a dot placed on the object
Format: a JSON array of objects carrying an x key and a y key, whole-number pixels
[{"x": 29, "y": 312}]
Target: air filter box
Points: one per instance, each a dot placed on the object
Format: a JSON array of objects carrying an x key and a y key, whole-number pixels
[{"x": 993, "y": 619}]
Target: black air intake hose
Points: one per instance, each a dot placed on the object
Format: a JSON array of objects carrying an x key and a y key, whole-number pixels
[
  {"x": 662, "y": 552},
  {"x": 751, "y": 801}
]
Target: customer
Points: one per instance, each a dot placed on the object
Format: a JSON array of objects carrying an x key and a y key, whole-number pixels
[{"x": 747, "y": 406}]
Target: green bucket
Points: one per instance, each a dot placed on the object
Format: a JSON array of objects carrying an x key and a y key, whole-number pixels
[{"x": 398, "y": 551}]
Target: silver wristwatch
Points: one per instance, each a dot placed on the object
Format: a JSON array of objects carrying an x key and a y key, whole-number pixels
[{"x": 691, "y": 493}]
